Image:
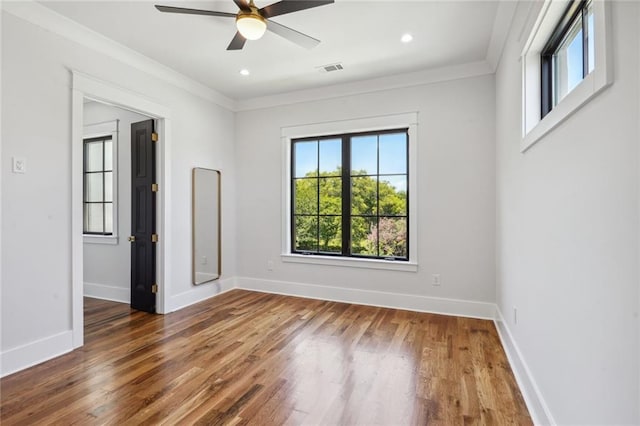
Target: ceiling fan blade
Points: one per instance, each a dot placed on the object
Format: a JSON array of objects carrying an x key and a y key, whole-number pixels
[
  {"x": 292, "y": 35},
  {"x": 242, "y": 4},
  {"x": 237, "y": 43},
  {"x": 287, "y": 6},
  {"x": 171, "y": 9}
]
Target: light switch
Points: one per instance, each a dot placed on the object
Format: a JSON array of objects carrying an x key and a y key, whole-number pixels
[{"x": 19, "y": 165}]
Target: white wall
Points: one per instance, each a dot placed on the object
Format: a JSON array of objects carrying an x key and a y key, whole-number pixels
[
  {"x": 107, "y": 267},
  {"x": 456, "y": 186},
  {"x": 36, "y": 206},
  {"x": 2, "y": 167},
  {"x": 567, "y": 239}
]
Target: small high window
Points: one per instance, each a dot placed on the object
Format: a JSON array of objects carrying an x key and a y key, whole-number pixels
[
  {"x": 350, "y": 195},
  {"x": 568, "y": 56},
  {"x": 566, "y": 62},
  {"x": 98, "y": 199}
]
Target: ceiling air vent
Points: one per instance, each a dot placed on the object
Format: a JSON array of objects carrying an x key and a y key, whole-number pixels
[{"x": 331, "y": 67}]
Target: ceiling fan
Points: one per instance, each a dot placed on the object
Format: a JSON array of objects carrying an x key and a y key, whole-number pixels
[{"x": 252, "y": 22}]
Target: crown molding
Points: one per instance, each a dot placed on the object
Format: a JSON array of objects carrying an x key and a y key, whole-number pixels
[
  {"x": 397, "y": 81},
  {"x": 45, "y": 18},
  {"x": 501, "y": 27}
]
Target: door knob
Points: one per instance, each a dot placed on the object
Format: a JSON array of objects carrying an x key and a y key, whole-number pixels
[{"x": 132, "y": 239}]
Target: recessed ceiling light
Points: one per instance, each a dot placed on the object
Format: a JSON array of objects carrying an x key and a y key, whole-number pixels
[
  {"x": 406, "y": 38},
  {"x": 244, "y": 71}
]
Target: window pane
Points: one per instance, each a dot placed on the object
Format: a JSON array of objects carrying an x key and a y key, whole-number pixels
[
  {"x": 393, "y": 195},
  {"x": 331, "y": 157},
  {"x": 108, "y": 218},
  {"x": 306, "y": 158},
  {"x": 591, "y": 38},
  {"x": 93, "y": 187},
  {"x": 393, "y": 153},
  {"x": 108, "y": 155},
  {"x": 364, "y": 155},
  {"x": 392, "y": 235},
  {"x": 364, "y": 195},
  {"x": 330, "y": 234},
  {"x": 568, "y": 62},
  {"x": 331, "y": 196},
  {"x": 93, "y": 214},
  {"x": 364, "y": 237},
  {"x": 306, "y": 233},
  {"x": 108, "y": 186},
  {"x": 93, "y": 156},
  {"x": 306, "y": 196}
]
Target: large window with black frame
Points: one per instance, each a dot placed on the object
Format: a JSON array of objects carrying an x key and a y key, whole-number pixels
[
  {"x": 98, "y": 186},
  {"x": 349, "y": 195},
  {"x": 568, "y": 56}
]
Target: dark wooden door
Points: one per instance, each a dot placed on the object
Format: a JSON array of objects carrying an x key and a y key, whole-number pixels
[{"x": 143, "y": 217}]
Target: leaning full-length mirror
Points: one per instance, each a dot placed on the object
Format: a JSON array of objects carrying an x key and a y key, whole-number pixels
[{"x": 206, "y": 225}]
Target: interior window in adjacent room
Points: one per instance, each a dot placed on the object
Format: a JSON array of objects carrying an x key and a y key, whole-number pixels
[{"x": 98, "y": 185}]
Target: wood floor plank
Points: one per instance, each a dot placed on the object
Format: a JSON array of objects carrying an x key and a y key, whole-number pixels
[{"x": 247, "y": 358}]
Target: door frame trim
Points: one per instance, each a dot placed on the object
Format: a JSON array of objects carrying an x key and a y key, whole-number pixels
[{"x": 85, "y": 86}]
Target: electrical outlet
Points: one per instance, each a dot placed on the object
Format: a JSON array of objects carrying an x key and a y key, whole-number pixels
[
  {"x": 19, "y": 165},
  {"x": 515, "y": 315},
  {"x": 435, "y": 280},
  {"x": 203, "y": 261},
  {"x": 269, "y": 265}
]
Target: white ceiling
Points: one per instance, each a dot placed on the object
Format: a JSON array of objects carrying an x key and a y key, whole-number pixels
[{"x": 364, "y": 35}]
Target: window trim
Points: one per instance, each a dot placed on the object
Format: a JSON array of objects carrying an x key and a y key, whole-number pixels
[
  {"x": 534, "y": 126},
  {"x": 101, "y": 130},
  {"x": 361, "y": 125}
]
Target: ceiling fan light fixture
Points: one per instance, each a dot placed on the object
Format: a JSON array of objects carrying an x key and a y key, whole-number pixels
[{"x": 251, "y": 25}]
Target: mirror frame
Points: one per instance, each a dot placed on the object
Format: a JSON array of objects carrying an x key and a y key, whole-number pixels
[{"x": 218, "y": 224}]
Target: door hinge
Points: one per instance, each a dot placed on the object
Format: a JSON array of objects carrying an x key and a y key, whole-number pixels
[
  {"x": 154, "y": 187},
  {"x": 154, "y": 137},
  {"x": 154, "y": 238},
  {"x": 154, "y": 288}
]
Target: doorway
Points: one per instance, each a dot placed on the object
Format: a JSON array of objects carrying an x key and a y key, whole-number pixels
[
  {"x": 86, "y": 88},
  {"x": 107, "y": 200}
]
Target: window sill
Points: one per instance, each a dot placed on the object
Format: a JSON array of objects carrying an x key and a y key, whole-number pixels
[
  {"x": 588, "y": 89},
  {"x": 389, "y": 265},
  {"x": 98, "y": 239}
]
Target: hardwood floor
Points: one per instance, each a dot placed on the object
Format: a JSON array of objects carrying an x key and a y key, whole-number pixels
[{"x": 253, "y": 358}]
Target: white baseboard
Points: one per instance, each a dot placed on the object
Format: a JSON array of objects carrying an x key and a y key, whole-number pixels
[
  {"x": 200, "y": 292},
  {"x": 410, "y": 302},
  {"x": 107, "y": 292},
  {"x": 530, "y": 392},
  {"x": 21, "y": 357}
]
